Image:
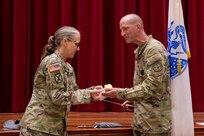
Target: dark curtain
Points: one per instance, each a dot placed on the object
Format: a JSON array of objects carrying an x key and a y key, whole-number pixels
[{"x": 103, "y": 57}]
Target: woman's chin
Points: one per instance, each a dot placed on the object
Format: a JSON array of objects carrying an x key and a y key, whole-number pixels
[{"x": 71, "y": 56}]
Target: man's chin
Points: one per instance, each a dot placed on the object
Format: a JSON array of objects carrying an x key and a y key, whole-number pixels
[{"x": 127, "y": 41}]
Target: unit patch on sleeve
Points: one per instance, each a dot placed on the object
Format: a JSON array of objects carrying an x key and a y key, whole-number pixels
[
  {"x": 58, "y": 78},
  {"x": 157, "y": 67}
]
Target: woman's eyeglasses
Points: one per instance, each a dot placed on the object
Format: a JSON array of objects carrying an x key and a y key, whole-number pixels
[{"x": 75, "y": 42}]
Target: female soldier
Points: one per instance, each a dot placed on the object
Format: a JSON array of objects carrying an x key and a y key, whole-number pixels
[{"x": 55, "y": 87}]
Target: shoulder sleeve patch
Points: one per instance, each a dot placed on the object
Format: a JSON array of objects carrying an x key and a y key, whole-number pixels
[
  {"x": 54, "y": 67},
  {"x": 154, "y": 58}
]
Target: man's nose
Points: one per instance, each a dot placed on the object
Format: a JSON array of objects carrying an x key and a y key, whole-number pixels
[{"x": 122, "y": 33}]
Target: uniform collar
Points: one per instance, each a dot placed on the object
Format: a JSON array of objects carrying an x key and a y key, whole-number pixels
[
  {"x": 58, "y": 55},
  {"x": 138, "y": 51}
]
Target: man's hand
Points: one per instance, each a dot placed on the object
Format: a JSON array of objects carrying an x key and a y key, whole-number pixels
[
  {"x": 127, "y": 105},
  {"x": 110, "y": 92}
]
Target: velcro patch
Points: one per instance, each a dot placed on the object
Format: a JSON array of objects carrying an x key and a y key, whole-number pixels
[
  {"x": 157, "y": 67},
  {"x": 58, "y": 78},
  {"x": 54, "y": 67}
]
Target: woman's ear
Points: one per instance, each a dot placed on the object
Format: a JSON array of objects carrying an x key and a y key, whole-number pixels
[{"x": 64, "y": 41}]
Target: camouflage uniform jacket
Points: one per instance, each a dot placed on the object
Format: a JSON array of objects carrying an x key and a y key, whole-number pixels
[
  {"x": 54, "y": 91},
  {"x": 151, "y": 93}
]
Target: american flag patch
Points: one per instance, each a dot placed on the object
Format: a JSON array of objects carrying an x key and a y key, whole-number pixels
[{"x": 54, "y": 67}]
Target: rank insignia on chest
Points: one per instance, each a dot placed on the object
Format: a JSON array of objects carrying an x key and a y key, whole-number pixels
[
  {"x": 142, "y": 72},
  {"x": 54, "y": 67}
]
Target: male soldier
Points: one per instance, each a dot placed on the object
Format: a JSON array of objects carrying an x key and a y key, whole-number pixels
[{"x": 150, "y": 93}]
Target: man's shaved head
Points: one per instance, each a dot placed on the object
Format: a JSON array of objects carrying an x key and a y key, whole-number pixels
[{"x": 132, "y": 19}]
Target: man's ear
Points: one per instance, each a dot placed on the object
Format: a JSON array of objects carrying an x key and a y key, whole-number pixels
[{"x": 138, "y": 26}]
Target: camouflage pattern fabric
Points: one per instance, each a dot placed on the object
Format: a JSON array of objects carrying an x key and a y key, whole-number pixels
[
  {"x": 151, "y": 92},
  {"x": 54, "y": 91},
  {"x": 29, "y": 132},
  {"x": 136, "y": 133}
]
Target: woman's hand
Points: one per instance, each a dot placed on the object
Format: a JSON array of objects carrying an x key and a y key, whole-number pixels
[{"x": 96, "y": 93}]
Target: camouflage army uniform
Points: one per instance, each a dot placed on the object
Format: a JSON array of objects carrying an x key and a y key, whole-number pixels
[
  {"x": 54, "y": 91},
  {"x": 150, "y": 93}
]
